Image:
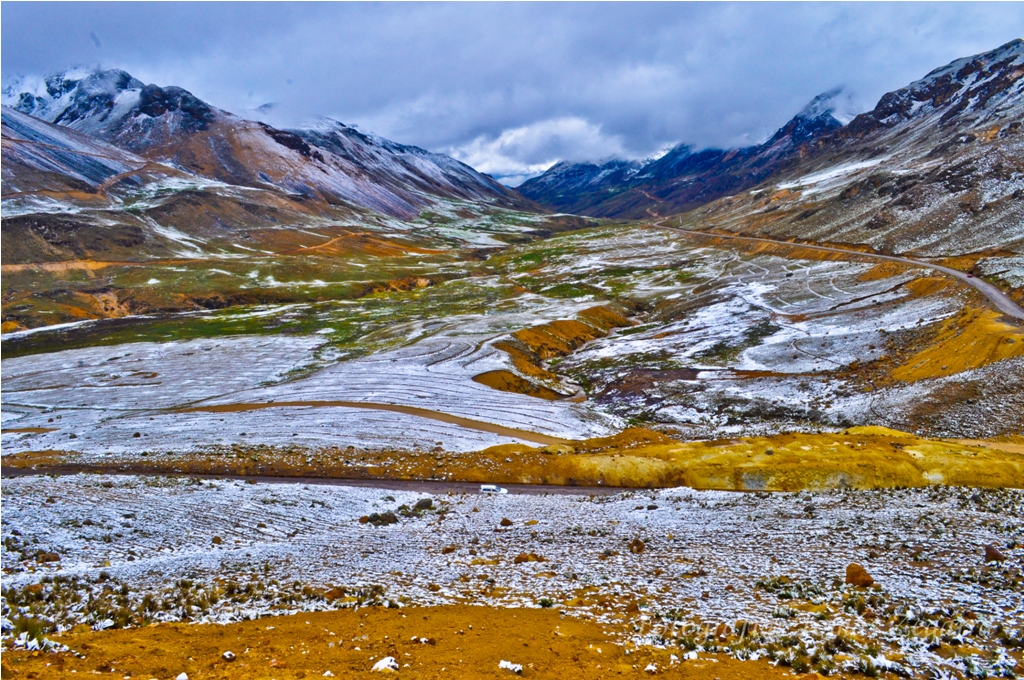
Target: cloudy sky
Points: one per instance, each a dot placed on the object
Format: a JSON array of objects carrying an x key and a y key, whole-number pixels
[{"x": 512, "y": 88}]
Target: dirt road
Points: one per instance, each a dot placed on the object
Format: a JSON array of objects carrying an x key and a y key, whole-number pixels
[
  {"x": 425, "y": 486},
  {"x": 998, "y": 298}
]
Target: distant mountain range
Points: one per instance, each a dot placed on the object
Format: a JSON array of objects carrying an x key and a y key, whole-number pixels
[
  {"x": 329, "y": 163},
  {"x": 972, "y": 101},
  {"x": 96, "y": 163}
]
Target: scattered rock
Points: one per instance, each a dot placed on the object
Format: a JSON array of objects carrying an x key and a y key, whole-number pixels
[
  {"x": 516, "y": 668},
  {"x": 182, "y": 676},
  {"x": 228, "y": 656},
  {"x": 424, "y": 504},
  {"x": 652, "y": 506},
  {"x": 328, "y": 674},
  {"x": 857, "y": 575},
  {"x": 379, "y": 519},
  {"x": 527, "y": 557},
  {"x": 47, "y": 557},
  {"x": 217, "y": 540},
  {"x": 992, "y": 554},
  {"x": 386, "y": 665},
  {"x": 506, "y": 522},
  {"x": 334, "y": 594},
  {"x": 448, "y": 549},
  {"x": 637, "y": 546},
  {"x": 651, "y": 668}
]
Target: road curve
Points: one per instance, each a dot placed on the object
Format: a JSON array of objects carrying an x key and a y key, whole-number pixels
[
  {"x": 997, "y": 297},
  {"x": 425, "y": 486}
]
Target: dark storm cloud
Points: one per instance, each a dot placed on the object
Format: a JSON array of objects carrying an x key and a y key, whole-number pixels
[{"x": 513, "y": 87}]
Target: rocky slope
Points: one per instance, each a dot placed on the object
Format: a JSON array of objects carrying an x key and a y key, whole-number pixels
[
  {"x": 935, "y": 169},
  {"x": 328, "y": 164},
  {"x": 945, "y": 148}
]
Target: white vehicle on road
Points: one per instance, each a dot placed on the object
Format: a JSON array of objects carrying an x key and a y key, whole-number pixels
[{"x": 491, "y": 488}]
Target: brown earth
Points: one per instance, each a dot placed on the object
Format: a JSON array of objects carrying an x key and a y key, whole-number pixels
[
  {"x": 507, "y": 381},
  {"x": 530, "y": 347},
  {"x": 860, "y": 458},
  {"x": 462, "y": 641}
]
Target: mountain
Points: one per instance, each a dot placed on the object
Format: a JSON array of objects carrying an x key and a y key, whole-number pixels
[
  {"x": 68, "y": 196},
  {"x": 935, "y": 169},
  {"x": 576, "y": 186},
  {"x": 681, "y": 179},
  {"x": 328, "y": 163},
  {"x": 956, "y": 105}
]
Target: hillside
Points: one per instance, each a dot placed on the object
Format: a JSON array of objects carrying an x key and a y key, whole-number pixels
[
  {"x": 945, "y": 153},
  {"x": 328, "y": 164}
]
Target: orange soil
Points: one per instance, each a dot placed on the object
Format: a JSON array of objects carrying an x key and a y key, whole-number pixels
[
  {"x": 507, "y": 381},
  {"x": 464, "y": 641},
  {"x": 529, "y": 347},
  {"x": 32, "y": 430},
  {"x": 928, "y": 285},
  {"x": 883, "y": 270},
  {"x": 975, "y": 338},
  {"x": 363, "y": 243}
]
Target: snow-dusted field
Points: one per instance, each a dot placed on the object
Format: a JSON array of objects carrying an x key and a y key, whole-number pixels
[
  {"x": 707, "y": 558},
  {"x": 104, "y": 395}
]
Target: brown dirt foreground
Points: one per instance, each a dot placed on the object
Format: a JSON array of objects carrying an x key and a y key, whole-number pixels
[{"x": 463, "y": 642}]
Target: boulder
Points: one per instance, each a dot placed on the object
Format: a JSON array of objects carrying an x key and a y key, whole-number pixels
[
  {"x": 386, "y": 665},
  {"x": 857, "y": 575},
  {"x": 992, "y": 554}
]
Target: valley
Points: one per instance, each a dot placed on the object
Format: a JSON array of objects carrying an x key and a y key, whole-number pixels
[{"x": 255, "y": 377}]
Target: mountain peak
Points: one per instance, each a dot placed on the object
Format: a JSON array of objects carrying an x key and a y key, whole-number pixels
[
  {"x": 106, "y": 102},
  {"x": 837, "y": 103}
]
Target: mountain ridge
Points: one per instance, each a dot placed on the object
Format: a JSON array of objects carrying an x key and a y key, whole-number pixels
[
  {"x": 982, "y": 89},
  {"x": 169, "y": 125}
]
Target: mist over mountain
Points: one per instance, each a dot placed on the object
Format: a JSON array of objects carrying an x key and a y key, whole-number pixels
[{"x": 943, "y": 110}]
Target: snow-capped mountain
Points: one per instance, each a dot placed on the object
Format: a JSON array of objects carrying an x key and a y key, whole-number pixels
[
  {"x": 969, "y": 92},
  {"x": 170, "y": 125},
  {"x": 575, "y": 186},
  {"x": 682, "y": 178},
  {"x": 970, "y": 99}
]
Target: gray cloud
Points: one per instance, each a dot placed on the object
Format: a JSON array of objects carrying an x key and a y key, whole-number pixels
[{"x": 511, "y": 88}]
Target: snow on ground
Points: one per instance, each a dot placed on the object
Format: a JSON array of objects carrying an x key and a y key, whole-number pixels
[
  {"x": 105, "y": 395},
  {"x": 705, "y": 555}
]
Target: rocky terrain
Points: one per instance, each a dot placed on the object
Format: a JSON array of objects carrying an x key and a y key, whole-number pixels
[{"x": 251, "y": 372}]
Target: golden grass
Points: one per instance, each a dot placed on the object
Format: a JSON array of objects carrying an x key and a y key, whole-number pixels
[
  {"x": 975, "y": 338},
  {"x": 858, "y": 458},
  {"x": 529, "y": 348}
]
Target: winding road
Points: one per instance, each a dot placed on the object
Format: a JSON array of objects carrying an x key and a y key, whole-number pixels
[{"x": 998, "y": 298}]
